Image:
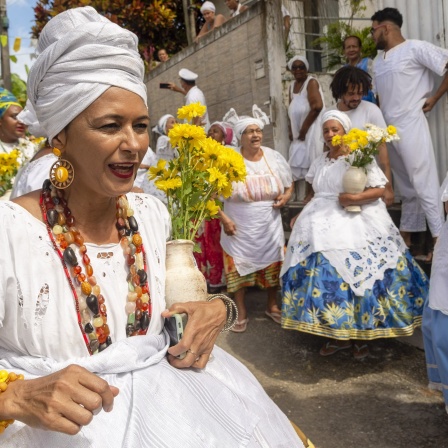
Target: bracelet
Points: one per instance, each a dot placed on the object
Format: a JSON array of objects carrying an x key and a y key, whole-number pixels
[
  {"x": 231, "y": 310},
  {"x": 5, "y": 379}
]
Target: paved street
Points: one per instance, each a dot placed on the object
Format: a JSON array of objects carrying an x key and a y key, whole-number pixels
[{"x": 379, "y": 402}]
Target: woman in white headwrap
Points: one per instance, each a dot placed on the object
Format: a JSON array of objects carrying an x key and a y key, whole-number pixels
[
  {"x": 348, "y": 276},
  {"x": 212, "y": 21},
  {"x": 253, "y": 238},
  {"x": 82, "y": 273},
  {"x": 306, "y": 101},
  {"x": 163, "y": 146}
]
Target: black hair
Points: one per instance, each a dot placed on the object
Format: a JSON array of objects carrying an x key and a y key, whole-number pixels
[
  {"x": 352, "y": 37},
  {"x": 349, "y": 75},
  {"x": 389, "y": 15},
  {"x": 189, "y": 83}
]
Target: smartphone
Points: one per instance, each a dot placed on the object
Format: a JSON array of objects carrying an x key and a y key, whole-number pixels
[
  {"x": 175, "y": 327},
  {"x": 164, "y": 85}
]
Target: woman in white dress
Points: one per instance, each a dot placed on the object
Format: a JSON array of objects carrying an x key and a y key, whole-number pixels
[
  {"x": 253, "y": 240},
  {"x": 82, "y": 273},
  {"x": 435, "y": 314},
  {"x": 306, "y": 102},
  {"x": 348, "y": 276}
]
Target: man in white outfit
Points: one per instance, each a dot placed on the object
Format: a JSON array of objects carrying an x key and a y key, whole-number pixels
[
  {"x": 404, "y": 81},
  {"x": 192, "y": 92},
  {"x": 348, "y": 87}
]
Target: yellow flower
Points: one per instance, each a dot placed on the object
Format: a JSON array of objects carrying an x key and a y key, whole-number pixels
[
  {"x": 191, "y": 111},
  {"x": 336, "y": 140},
  {"x": 168, "y": 184},
  {"x": 419, "y": 302},
  {"x": 217, "y": 176},
  {"x": 344, "y": 286},
  {"x": 357, "y": 308},
  {"x": 391, "y": 130},
  {"x": 353, "y": 146},
  {"x": 212, "y": 149},
  {"x": 301, "y": 301},
  {"x": 400, "y": 265},
  {"x": 212, "y": 208},
  {"x": 365, "y": 318},
  {"x": 194, "y": 135},
  {"x": 315, "y": 293},
  {"x": 158, "y": 170},
  {"x": 402, "y": 291}
]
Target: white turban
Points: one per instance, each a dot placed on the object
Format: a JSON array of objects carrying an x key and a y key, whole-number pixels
[
  {"x": 298, "y": 58},
  {"x": 28, "y": 117},
  {"x": 161, "y": 124},
  {"x": 241, "y": 123},
  {"x": 338, "y": 116},
  {"x": 208, "y": 6},
  {"x": 81, "y": 55}
]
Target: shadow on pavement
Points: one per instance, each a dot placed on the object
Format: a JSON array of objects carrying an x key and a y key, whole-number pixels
[{"x": 381, "y": 401}]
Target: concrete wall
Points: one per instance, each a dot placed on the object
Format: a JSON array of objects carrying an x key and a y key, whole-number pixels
[{"x": 232, "y": 65}]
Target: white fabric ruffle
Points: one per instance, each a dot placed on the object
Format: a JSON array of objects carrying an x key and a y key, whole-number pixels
[{"x": 360, "y": 246}]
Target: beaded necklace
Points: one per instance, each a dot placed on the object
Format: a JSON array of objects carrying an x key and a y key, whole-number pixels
[{"x": 89, "y": 302}]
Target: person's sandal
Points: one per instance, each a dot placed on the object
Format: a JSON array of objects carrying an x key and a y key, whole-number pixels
[
  {"x": 360, "y": 351},
  {"x": 240, "y": 326},
  {"x": 331, "y": 347}
]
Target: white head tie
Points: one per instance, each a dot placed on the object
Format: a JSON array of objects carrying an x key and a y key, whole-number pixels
[
  {"x": 208, "y": 6},
  {"x": 161, "y": 124},
  {"x": 298, "y": 58},
  {"x": 82, "y": 54},
  {"x": 241, "y": 123},
  {"x": 338, "y": 116},
  {"x": 28, "y": 117}
]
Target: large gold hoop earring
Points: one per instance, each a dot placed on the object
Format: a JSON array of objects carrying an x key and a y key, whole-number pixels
[{"x": 62, "y": 172}]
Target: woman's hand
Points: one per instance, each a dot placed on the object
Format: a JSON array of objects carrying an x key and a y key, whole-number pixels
[
  {"x": 229, "y": 226},
  {"x": 63, "y": 401},
  {"x": 366, "y": 197},
  {"x": 205, "y": 322},
  {"x": 282, "y": 199}
]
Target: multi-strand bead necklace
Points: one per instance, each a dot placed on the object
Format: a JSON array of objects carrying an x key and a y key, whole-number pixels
[{"x": 89, "y": 301}]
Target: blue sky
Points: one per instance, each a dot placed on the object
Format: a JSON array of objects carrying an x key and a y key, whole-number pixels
[{"x": 21, "y": 19}]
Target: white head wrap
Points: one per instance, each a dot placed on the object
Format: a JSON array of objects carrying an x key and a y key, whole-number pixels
[
  {"x": 81, "y": 55},
  {"x": 241, "y": 123},
  {"x": 161, "y": 124},
  {"x": 298, "y": 58},
  {"x": 338, "y": 116},
  {"x": 28, "y": 117},
  {"x": 208, "y": 6}
]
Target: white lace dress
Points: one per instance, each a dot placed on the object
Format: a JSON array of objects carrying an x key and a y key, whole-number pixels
[
  {"x": 336, "y": 258},
  {"x": 158, "y": 405}
]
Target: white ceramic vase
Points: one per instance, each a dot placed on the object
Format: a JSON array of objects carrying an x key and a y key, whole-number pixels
[
  {"x": 354, "y": 181},
  {"x": 184, "y": 281},
  {"x": 6, "y": 196}
]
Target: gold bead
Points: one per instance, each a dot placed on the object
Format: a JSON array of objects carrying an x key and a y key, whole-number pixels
[{"x": 57, "y": 152}]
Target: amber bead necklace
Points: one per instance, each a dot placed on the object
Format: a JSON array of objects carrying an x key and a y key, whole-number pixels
[{"x": 89, "y": 301}]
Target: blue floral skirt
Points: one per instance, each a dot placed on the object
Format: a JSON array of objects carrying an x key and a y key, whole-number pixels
[{"x": 317, "y": 300}]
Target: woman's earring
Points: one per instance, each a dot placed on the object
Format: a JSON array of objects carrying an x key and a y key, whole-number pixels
[{"x": 62, "y": 172}]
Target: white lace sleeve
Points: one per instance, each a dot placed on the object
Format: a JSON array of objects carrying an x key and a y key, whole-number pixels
[
  {"x": 284, "y": 171},
  {"x": 444, "y": 189},
  {"x": 313, "y": 168},
  {"x": 431, "y": 56},
  {"x": 375, "y": 177}
]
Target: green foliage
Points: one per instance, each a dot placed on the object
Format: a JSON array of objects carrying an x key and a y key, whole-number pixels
[
  {"x": 157, "y": 23},
  {"x": 18, "y": 88}
]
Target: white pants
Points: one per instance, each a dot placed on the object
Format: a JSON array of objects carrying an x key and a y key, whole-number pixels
[{"x": 415, "y": 176}]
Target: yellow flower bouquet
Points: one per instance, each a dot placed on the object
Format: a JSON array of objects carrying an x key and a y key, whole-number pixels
[
  {"x": 364, "y": 145},
  {"x": 9, "y": 165},
  {"x": 202, "y": 171}
]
